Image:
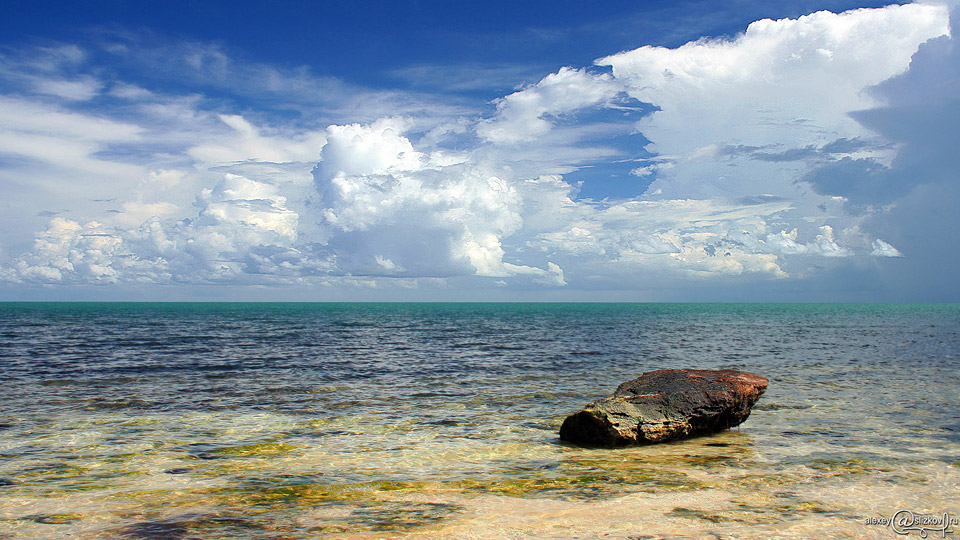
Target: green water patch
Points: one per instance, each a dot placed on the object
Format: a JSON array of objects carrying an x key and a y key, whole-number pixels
[
  {"x": 59, "y": 382},
  {"x": 255, "y": 487},
  {"x": 56, "y": 519},
  {"x": 800, "y": 509},
  {"x": 78, "y": 487},
  {"x": 757, "y": 511},
  {"x": 778, "y": 407},
  {"x": 708, "y": 461},
  {"x": 289, "y": 495},
  {"x": 267, "y": 449},
  {"x": 142, "y": 421},
  {"x": 895, "y": 471},
  {"x": 397, "y": 516},
  {"x": 761, "y": 507},
  {"x": 102, "y": 404},
  {"x": 770, "y": 480},
  {"x": 693, "y": 513},
  {"x": 54, "y": 471},
  {"x": 231, "y": 468},
  {"x": 332, "y": 508},
  {"x": 848, "y": 467},
  {"x": 584, "y": 484},
  {"x": 64, "y": 478},
  {"x": 333, "y": 426},
  {"x": 127, "y": 456},
  {"x": 806, "y": 470},
  {"x": 262, "y": 494},
  {"x": 671, "y": 468}
]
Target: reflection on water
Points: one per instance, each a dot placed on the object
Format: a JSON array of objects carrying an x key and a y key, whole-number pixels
[{"x": 371, "y": 421}]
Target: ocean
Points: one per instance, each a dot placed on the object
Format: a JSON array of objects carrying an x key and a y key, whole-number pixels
[{"x": 289, "y": 421}]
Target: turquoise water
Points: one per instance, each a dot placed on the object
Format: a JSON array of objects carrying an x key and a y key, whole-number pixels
[{"x": 440, "y": 420}]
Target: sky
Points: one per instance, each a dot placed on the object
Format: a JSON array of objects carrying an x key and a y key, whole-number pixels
[{"x": 479, "y": 151}]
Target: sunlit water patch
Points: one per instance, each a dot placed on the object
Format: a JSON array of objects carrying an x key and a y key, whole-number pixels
[{"x": 399, "y": 420}]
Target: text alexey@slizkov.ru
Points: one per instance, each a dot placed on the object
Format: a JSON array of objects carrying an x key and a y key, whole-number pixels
[{"x": 906, "y": 521}]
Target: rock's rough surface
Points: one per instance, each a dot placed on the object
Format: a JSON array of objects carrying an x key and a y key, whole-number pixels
[{"x": 664, "y": 405}]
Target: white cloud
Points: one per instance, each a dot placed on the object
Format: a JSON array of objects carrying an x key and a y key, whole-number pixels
[
  {"x": 782, "y": 85},
  {"x": 82, "y": 89},
  {"x": 22, "y": 116},
  {"x": 136, "y": 212},
  {"x": 248, "y": 143},
  {"x": 786, "y": 242},
  {"x": 241, "y": 232},
  {"x": 52, "y": 59},
  {"x": 238, "y": 217},
  {"x": 524, "y": 116},
  {"x": 427, "y": 214},
  {"x": 188, "y": 190},
  {"x": 68, "y": 252},
  {"x": 883, "y": 249},
  {"x": 66, "y": 141},
  {"x": 213, "y": 68},
  {"x": 652, "y": 168},
  {"x": 130, "y": 91},
  {"x": 694, "y": 237},
  {"x": 827, "y": 246},
  {"x": 791, "y": 74},
  {"x": 379, "y": 148}
]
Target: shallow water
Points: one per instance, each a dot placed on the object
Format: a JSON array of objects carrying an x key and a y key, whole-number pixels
[{"x": 439, "y": 420}]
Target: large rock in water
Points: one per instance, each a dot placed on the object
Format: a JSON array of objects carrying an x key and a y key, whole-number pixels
[{"x": 664, "y": 405}]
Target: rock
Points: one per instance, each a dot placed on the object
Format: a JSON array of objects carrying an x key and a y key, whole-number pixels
[{"x": 664, "y": 405}]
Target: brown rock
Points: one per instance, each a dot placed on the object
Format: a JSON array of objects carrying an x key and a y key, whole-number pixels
[{"x": 664, "y": 405}]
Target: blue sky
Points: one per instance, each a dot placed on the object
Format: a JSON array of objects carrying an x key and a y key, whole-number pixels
[{"x": 479, "y": 151}]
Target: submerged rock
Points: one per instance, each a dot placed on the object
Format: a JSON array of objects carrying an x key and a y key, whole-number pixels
[{"x": 664, "y": 405}]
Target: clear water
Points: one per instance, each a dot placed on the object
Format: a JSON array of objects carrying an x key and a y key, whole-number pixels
[{"x": 280, "y": 421}]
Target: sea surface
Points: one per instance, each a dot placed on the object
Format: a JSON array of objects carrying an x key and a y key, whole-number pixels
[{"x": 290, "y": 421}]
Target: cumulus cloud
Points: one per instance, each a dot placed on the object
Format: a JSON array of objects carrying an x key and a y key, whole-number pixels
[
  {"x": 379, "y": 148},
  {"x": 397, "y": 211},
  {"x": 883, "y": 249},
  {"x": 52, "y": 158},
  {"x": 242, "y": 232},
  {"x": 759, "y": 117},
  {"x": 780, "y": 78},
  {"x": 525, "y": 115},
  {"x": 824, "y": 244},
  {"x": 781, "y": 87},
  {"x": 68, "y": 252},
  {"x": 240, "y": 212},
  {"x": 692, "y": 237}
]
